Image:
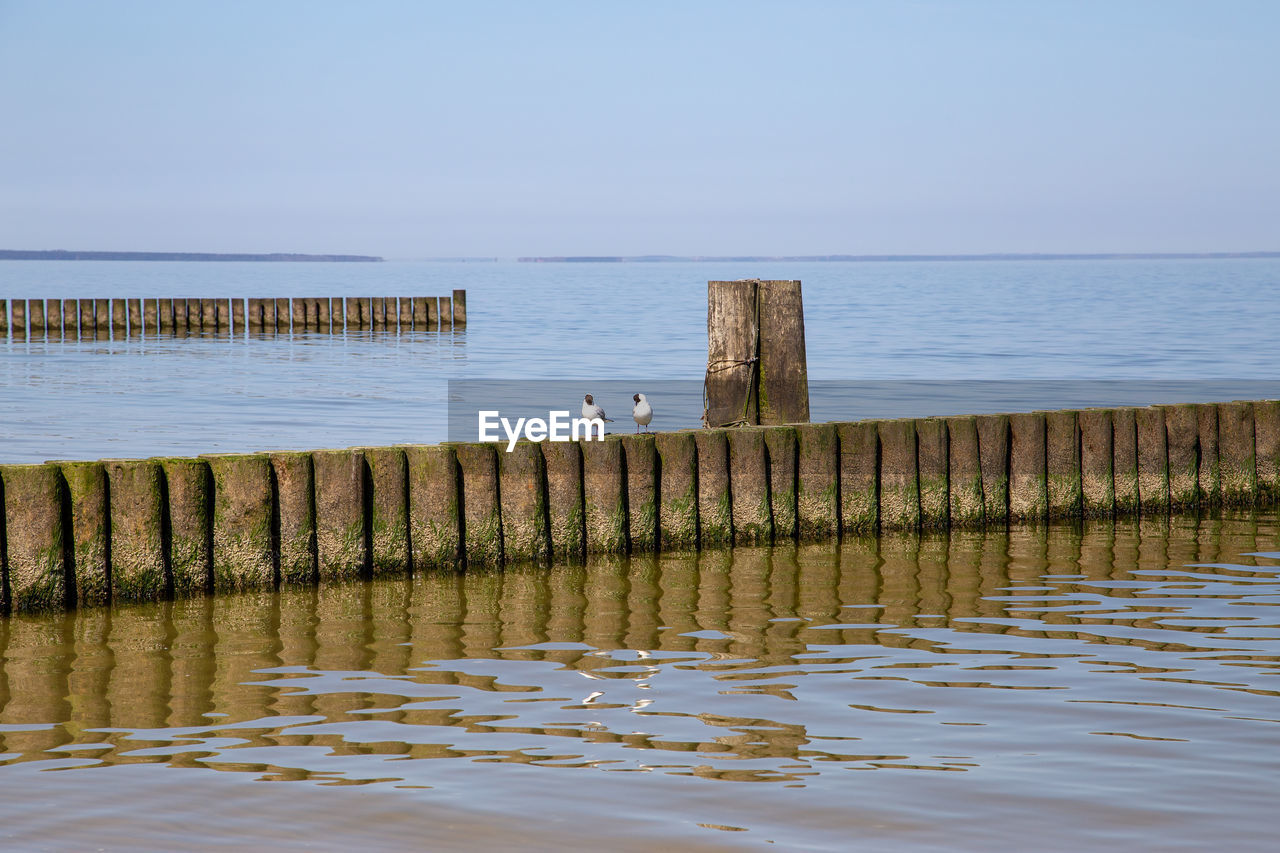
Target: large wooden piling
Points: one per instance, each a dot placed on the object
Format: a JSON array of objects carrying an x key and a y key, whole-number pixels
[
  {"x": 4, "y": 318},
  {"x": 53, "y": 318},
  {"x": 1062, "y": 464},
  {"x": 209, "y": 314},
  {"x": 818, "y": 480},
  {"x": 604, "y": 488},
  {"x": 1028, "y": 489},
  {"x": 1208, "y": 477},
  {"x": 18, "y": 323},
  {"x": 1124, "y": 465},
  {"x": 733, "y": 349},
  {"x": 238, "y": 320},
  {"x": 164, "y": 323},
  {"x": 294, "y": 519},
  {"x": 242, "y": 510},
  {"x": 222, "y": 315},
  {"x": 337, "y": 314},
  {"x": 37, "y": 575},
  {"x": 932, "y": 463},
  {"x": 522, "y": 489},
  {"x": 119, "y": 318},
  {"x": 899, "y": 475},
  {"x": 433, "y": 312},
  {"x": 378, "y": 309},
  {"x": 446, "y": 312},
  {"x": 195, "y": 315},
  {"x": 324, "y": 314},
  {"x": 70, "y": 317},
  {"x": 482, "y": 514},
  {"x": 341, "y": 546},
  {"x": 1097, "y": 486},
  {"x": 135, "y": 489},
  {"x": 188, "y": 488},
  {"x": 783, "y": 374},
  {"x": 641, "y": 459},
  {"x": 181, "y": 322},
  {"x": 435, "y": 526},
  {"x": 562, "y": 462},
  {"x": 781, "y": 451},
  {"x": 715, "y": 503},
  {"x": 135, "y": 316},
  {"x": 90, "y": 546},
  {"x": 1236, "y": 457},
  {"x": 150, "y": 315},
  {"x": 299, "y": 314},
  {"x": 419, "y": 313},
  {"x": 678, "y": 490},
  {"x": 35, "y": 316},
  {"x": 387, "y": 494},
  {"x": 993, "y": 449},
  {"x": 282, "y": 314},
  {"x": 749, "y": 487}
]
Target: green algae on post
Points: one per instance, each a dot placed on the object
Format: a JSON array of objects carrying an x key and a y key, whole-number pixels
[
  {"x": 341, "y": 547},
  {"x": 87, "y": 492},
  {"x": 138, "y": 570},
  {"x": 964, "y": 472},
  {"x": 1266, "y": 438},
  {"x": 293, "y": 485},
  {"x": 37, "y": 570},
  {"x": 933, "y": 470},
  {"x": 1097, "y": 486},
  {"x": 993, "y": 449},
  {"x": 562, "y": 461},
  {"x": 677, "y": 490},
  {"x": 1153, "y": 458},
  {"x": 899, "y": 476},
  {"x": 243, "y": 557},
  {"x": 388, "y": 510},
  {"x": 605, "y": 494},
  {"x": 715, "y": 507},
  {"x": 188, "y": 486},
  {"x": 1028, "y": 489},
  {"x": 749, "y": 487},
  {"x": 521, "y": 490},
  {"x": 1208, "y": 476},
  {"x": 1062, "y": 464},
  {"x": 1182, "y": 428},
  {"x": 818, "y": 480},
  {"x": 781, "y": 450},
  {"x": 435, "y": 526},
  {"x": 641, "y": 461},
  {"x": 1124, "y": 465},
  {"x": 1236, "y": 457},
  {"x": 481, "y": 509}
]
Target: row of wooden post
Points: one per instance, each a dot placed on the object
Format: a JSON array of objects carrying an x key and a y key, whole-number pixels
[
  {"x": 92, "y": 532},
  {"x": 121, "y": 317}
]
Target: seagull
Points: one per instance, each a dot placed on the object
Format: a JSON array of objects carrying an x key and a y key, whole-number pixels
[
  {"x": 590, "y": 410},
  {"x": 642, "y": 412}
]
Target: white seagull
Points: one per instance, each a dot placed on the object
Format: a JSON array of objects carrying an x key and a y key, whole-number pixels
[
  {"x": 590, "y": 410},
  {"x": 642, "y": 412}
]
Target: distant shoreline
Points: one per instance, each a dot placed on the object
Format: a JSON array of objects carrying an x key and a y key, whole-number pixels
[
  {"x": 63, "y": 255},
  {"x": 1121, "y": 256}
]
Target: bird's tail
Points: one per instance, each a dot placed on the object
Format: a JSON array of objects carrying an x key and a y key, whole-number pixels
[{"x": 608, "y": 420}]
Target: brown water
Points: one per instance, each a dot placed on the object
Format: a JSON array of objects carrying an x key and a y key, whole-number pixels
[{"x": 1110, "y": 687}]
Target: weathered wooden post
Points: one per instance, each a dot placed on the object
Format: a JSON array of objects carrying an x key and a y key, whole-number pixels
[
  {"x": 459, "y": 308},
  {"x": 756, "y": 370}
]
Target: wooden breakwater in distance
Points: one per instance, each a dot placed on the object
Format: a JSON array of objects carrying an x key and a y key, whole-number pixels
[
  {"x": 120, "y": 318},
  {"x": 83, "y": 533}
]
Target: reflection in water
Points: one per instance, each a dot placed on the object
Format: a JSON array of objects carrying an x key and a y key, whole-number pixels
[{"x": 1144, "y": 654}]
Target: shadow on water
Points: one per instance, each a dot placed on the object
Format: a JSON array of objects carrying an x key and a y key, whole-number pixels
[{"x": 788, "y": 665}]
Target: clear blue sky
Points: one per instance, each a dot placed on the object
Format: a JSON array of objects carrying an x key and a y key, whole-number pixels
[{"x": 423, "y": 129}]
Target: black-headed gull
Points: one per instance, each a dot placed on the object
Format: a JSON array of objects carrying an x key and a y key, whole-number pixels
[
  {"x": 591, "y": 411},
  {"x": 642, "y": 412}
]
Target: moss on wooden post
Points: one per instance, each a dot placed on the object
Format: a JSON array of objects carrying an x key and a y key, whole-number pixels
[
  {"x": 964, "y": 473},
  {"x": 715, "y": 503},
  {"x": 781, "y": 448},
  {"x": 37, "y": 571},
  {"x": 387, "y": 496},
  {"x": 1266, "y": 439},
  {"x": 818, "y": 481},
  {"x": 1062, "y": 464},
  {"x": 293, "y": 486},
  {"x": 1208, "y": 475},
  {"x": 749, "y": 487},
  {"x": 242, "y": 549},
  {"x": 1236, "y": 456},
  {"x": 1098, "y": 488},
  {"x": 678, "y": 490},
  {"x": 1182, "y": 430},
  {"x": 899, "y": 476},
  {"x": 641, "y": 460},
  {"x": 1028, "y": 489},
  {"x": 138, "y": 570},
  {"x": 342, "y": 551},
  {"x": 1153, "y": 458},
  {"x": 562, "y": 461},
  {"x": 522, "y": 490},
  {"x": 993, "y": 448},
  {"x": 605, "y": 495},
  {"x": 90, "y": 530},
  {"x": 1124, "y": 466},
  {"x": 435, "y": 526},
  {"x": 188, "y": 487},
  {"x": 932, "y": 465},
  {"x": 482, "y": 515},
  {"x": 459, "y": 308}
]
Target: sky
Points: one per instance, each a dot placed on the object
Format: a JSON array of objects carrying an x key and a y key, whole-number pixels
[{"x": 422, "y": 129}]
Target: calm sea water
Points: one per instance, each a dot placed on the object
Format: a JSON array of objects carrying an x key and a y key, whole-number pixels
[
  {"x": 1108, "y": 688},
  {"x": 1009, "y": 320}
]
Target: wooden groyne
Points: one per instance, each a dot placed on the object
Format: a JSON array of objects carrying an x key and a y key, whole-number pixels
[
  {"x": 84, "y": 533},
  {"x": 119, "y": 318}
]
